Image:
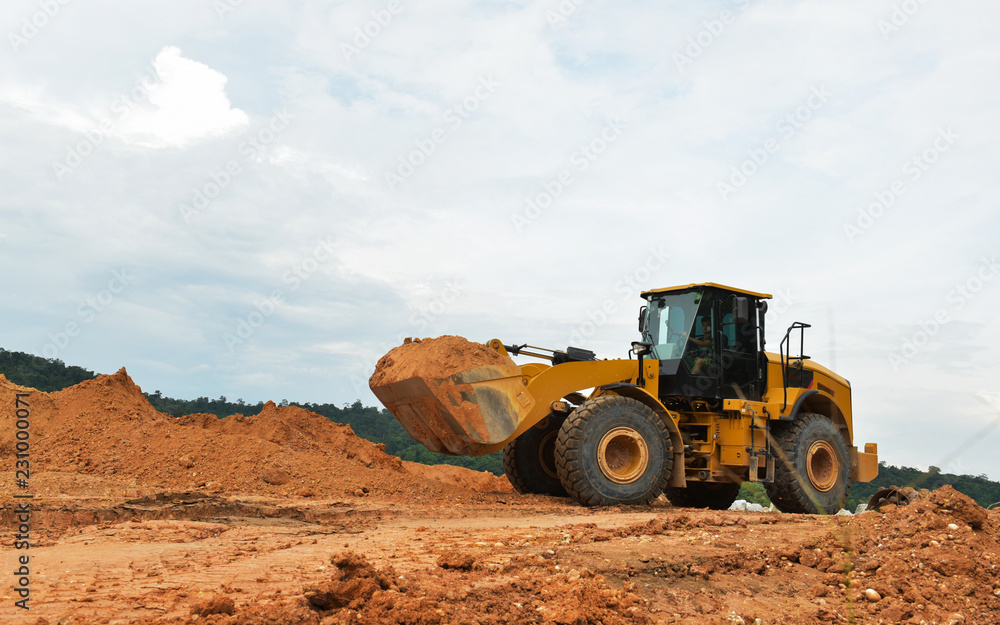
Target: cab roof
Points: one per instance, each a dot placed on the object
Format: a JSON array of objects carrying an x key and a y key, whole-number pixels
[{"x": 703, "y": 285}]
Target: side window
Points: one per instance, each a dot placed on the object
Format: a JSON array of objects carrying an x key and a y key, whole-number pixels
[{"x": 729, "y": 332}]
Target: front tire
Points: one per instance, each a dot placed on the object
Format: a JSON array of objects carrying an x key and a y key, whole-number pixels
[
  {"x": 530, "y": 459},
  {"x": 614, "y": 450},
  {"x": 814, "y": 476},
  {"x": 711, "y": 495}
]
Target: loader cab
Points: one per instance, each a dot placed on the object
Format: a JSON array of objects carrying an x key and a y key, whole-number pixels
[{"x": 709, "y": 341}]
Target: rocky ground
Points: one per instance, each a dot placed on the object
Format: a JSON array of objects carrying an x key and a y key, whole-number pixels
[{"x": 139, "y": 517}]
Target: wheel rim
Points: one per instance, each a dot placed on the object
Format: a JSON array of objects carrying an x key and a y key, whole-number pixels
[
  {"x": 822, "y": 465},
  {"x": 622, "y": 455},
  {"x": 547, "y": 454}
]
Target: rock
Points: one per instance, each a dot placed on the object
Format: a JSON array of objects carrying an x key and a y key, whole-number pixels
[
  {"x": 843, "y": 512},
  {"x": 186, "y": 461},
  {"x": 456, "y": 560},
  {"x": 947, "y": 499},
  {"x": 808, "y": 557},
  {"x": 788, "y": 552},
  {"x": 949, "y": 564},
  {"x": 276, "y": 477},
  {"x": 341, "y": 594},
  {"x": 872, "y": 595},
  {"x": 952, "y": 527},
  {"x": 862, "y": 507},
  {"x": 739, "y": 504},
  {"x": 219, "y": 604}
]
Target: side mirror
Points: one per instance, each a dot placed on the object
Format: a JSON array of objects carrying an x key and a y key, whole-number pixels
[
  {"x": 642, "y": 319},
  {"x": 762, "y": 306},
  {"x": 741, "y": 310}
]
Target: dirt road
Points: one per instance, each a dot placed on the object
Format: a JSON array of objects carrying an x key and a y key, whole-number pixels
[{"x": 516, "y": 559}]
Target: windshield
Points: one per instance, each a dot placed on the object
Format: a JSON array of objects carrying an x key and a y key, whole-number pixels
[{"x": 669, "y": 322}]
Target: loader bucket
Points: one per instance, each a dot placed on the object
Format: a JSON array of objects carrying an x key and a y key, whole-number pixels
[{"x": 461, "y": 413}]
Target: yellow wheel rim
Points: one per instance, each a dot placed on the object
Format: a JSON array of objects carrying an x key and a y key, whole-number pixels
[
  {"x": 622, "y": 455},
  {"x": 822, "y": 466}
]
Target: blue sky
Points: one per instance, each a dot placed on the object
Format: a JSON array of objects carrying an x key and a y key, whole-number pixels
[{"x": 259, "y": 201}]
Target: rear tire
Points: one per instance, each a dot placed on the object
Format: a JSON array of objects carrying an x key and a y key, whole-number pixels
[
  {"x": 814, "y": 476},
  {"x": 530, "y": 459},
  {"x": 614, "y": 450},
  {"x": 712, "y": 495}
]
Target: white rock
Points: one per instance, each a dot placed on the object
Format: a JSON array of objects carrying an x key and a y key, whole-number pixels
[
  {"x": 843, "y": 512},
  {"x": 952, "y": 527},
  {"x": 872, "y": 595},
  {"x": 739, "y": 504},
  {"x": 862, "y": 507}
]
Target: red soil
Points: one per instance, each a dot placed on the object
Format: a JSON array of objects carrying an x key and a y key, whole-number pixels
[{"x": 105, "y": 428}]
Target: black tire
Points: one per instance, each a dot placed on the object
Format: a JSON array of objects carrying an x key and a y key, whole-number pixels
[
  {"x": 614, "y": 450},
  {"x": 530, "y": 459},
  {"x": 712, "y": 495},
  {"x": 814, "y": 476}
]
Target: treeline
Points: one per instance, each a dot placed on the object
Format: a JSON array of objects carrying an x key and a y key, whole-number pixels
[
  {"x": 377, "y": 425},
  {"x": 45, "y": 374}
]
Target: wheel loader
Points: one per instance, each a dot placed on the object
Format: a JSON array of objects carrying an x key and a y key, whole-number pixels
[{"x": 698, "y": 407}]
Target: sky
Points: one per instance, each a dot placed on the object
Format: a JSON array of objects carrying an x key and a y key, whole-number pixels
[{"x": 258, "y": 200}]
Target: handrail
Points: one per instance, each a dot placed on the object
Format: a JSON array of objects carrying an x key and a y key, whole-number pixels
[{"x": 798, "y": 325}]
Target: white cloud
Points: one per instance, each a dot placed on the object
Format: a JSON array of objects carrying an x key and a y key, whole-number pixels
[{"x": 188, "y": 104}]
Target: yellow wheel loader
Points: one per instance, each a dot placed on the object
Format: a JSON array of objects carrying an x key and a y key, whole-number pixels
[{"x": 696, "y": 409}]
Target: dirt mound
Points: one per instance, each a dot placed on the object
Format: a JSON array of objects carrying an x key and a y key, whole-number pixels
[
  {"x": 433, "y": 358},
  {"x": 934, "y": 561},
  {"x": 102, "y": 437},
  {"x": 461, "y": 477}
]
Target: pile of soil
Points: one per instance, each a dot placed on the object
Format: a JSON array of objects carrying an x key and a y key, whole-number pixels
[
  {"x": 433, "y": 359},
  {"x": 102, "y": 437},
  {"x": 934, "y": 561},
  {"x": 414, "y": 381}
]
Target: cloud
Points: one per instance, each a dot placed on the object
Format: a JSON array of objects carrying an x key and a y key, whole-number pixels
[
  {"x": 181, "y": 120},
  {"x": 186, "y": 105}
]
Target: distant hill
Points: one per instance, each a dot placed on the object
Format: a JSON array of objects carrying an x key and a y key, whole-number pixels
[{"x": 377, "y": 425}]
